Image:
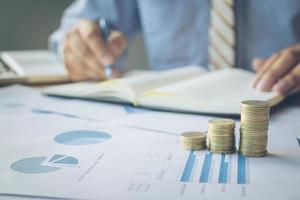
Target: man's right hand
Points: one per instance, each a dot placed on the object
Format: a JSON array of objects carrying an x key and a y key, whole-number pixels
[{"x": 86, "y": 53}]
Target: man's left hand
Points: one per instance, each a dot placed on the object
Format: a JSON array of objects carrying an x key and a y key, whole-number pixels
[{"x": 280, "y": 72}]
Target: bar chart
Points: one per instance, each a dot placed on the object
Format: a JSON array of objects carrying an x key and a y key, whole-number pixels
[
  {"x": 166, "y": 163},
  {"x": 207, "y": 167}
]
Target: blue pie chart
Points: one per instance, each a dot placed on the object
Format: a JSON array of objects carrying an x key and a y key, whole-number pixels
[
  {"x": 82, "y": 137},
  {"x": 34, "y": 165}
]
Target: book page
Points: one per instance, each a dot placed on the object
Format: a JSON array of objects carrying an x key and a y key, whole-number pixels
[
  {"x": 217, "y": 92},
  {"x": 125, "y": 89},
  {"x": 112, "y": 90},
  {"x": 163, "y": 78}
]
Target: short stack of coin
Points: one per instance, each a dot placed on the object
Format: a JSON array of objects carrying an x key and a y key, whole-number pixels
[
  {"x": 221, "y": 137},
  {"x": 254, "y": 128},
  {"x": 193, "y": 140}
]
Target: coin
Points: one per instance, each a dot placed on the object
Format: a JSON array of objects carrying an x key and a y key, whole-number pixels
[
  {"x": 193, "y": 140},
  {"x": 254, "y": 128},
  {"x": 221, "y": 137}
]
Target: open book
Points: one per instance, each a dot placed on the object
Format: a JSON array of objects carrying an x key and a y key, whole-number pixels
[{"x": 187, "y": 89}]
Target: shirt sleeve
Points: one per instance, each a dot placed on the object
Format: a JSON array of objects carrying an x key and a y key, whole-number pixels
[{"x": 122, "y": 15}]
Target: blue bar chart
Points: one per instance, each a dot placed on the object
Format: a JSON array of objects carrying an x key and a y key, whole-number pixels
[
  {"x": 186, "y": 175},
  {"x": 241, "y": 177},
  {"x": 223, "y": 173},
  {"x": 215, "y": 168},
  {"x": 206, "y": 168}
]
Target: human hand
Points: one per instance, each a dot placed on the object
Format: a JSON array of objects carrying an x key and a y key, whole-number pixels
[
  {"x": 280, "y": 72},
  {"x": 86, "y": 53}
]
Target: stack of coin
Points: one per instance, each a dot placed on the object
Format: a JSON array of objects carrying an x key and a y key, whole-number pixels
[
  {"x": 221, "y": 137},
  {"x": 254, "y": 128},
  {"x": 193, "y": 140}
]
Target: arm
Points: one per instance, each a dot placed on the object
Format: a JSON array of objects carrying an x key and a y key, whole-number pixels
[{"x": 79, "y": 43}]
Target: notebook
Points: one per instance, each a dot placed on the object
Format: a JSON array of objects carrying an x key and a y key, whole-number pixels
[
  {"x": 31, "y": 67},
  {"x": 190, "y": 89}
]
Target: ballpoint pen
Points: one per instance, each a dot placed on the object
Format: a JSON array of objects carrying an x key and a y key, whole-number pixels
[{"x": 104, "y": 28}]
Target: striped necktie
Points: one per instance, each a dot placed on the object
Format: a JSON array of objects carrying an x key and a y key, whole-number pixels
[{"x": 222, "y": 35}]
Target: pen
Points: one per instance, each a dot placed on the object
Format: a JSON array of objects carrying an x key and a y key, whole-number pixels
[{"x": 104, "y": 28}]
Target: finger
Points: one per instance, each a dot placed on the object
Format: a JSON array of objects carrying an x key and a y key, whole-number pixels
[
  {"x": 258, "y": 63},
  {"x": 289, "y": 82},
  {"x": 83, "y": 52},
  {"x": 75, "y": 66},
  {"x": 91, "y": 34},
  {"x": 265, "y": 67},
  {"x": 117, "y": 43},
  {"x": 286, "y": 61},
  {"x": 73, "y": 72}
]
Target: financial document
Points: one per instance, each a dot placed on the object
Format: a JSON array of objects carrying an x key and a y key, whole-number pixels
[
  {"x": 91, "y": 110},
  {"x": 138, "y": 156},
  {"x": 87, "y": 110},
  {"x": 97, "y": 161},
  {"x": 19, "y": 100}
]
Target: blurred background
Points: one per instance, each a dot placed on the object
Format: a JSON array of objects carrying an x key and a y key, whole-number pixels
[{"x": 27, "y": 24}]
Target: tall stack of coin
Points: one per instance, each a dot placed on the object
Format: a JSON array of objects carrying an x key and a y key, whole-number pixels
[
  {"x": 193, "y": 140},
  {"x": 254, "y": 128},
  {"x": 221, "y": 137}
]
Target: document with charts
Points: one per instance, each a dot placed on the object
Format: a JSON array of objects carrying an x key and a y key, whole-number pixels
[
  {"x": 80, "y": 159},
  {"x": 187, "y": 89}
]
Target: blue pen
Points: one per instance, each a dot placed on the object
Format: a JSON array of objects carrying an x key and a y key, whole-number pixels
[{"x": 104, "y": 27}]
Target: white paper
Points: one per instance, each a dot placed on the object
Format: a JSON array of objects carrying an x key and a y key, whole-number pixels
[
  {"x": 139, "y": 164},
  {"x": 91, "y": 110},
  {"x": 17, "y": 100},
  {"x": 164, "y": 122}
]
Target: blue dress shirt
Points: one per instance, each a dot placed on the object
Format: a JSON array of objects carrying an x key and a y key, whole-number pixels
[{"x": 176, "y": 31}]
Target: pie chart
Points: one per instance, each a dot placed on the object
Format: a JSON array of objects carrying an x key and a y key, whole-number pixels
[
  {"x": 38, "y": 165},
  {"x": 82, "y": 137}
]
